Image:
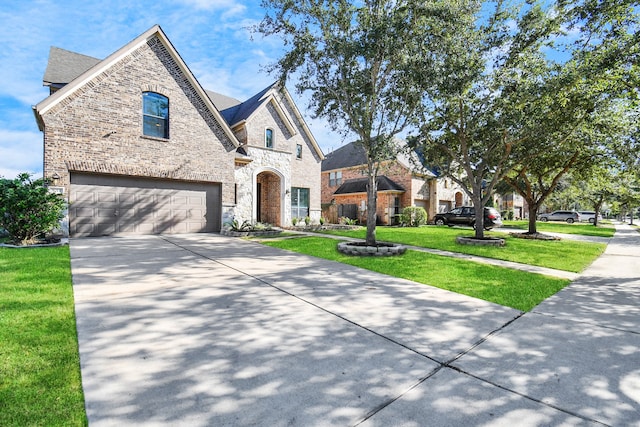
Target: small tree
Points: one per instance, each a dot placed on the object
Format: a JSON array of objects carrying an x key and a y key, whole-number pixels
[{"x": 28, "y": 209}]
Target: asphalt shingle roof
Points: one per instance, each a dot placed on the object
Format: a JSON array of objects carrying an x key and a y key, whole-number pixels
[
  {"x": 359, "y": 185},
  {"x": 64, "y": 66},
  {"x": 346, "y": 156}
]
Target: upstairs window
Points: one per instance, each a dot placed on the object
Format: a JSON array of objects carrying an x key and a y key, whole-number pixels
[
  {"x": 268, "y": 138},
  {"x": 298, "y": 151},
  {"x": 155, "y": 112},
  {"x": 335, "y": 178}
]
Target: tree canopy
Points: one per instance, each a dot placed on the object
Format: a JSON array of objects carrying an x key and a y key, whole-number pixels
[
  {"x": 490, "y": 90},
  {"x": 546, "y": 75},
  {"x": 357, "y": 60}
]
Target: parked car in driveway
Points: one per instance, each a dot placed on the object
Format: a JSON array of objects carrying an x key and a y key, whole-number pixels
[
  {"x": 568, "y": 216},
  {"x": 589, "y": 216},
  {"x": 466, "y": 215}
]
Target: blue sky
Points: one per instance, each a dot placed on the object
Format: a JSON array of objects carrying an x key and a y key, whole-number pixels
[{"x": 212, "y": 37}]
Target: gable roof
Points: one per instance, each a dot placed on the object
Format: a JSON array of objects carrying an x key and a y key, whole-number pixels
[
  {"x": 73, "y": 64},
  {"x": 353, "y": 154},
  {"x": 236, "y": 113},
  {"x": 359, "y": 185}
]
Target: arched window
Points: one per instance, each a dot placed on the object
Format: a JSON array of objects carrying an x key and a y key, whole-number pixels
[
  {"x": 155, "y": 112},
  {"x": 268, "y": 138}
]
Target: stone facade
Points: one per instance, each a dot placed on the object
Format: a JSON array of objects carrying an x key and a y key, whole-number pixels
[
  {"x": 281, "y": 160},
  {"x": 450, "y": 196}
]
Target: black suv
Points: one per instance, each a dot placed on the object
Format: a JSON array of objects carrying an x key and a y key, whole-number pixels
[{"x": 466, "y": 215}]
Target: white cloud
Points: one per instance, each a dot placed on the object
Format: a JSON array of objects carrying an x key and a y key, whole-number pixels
[
  {"x": 21, "y": 151},
  {"x": 216, "y": 5}
]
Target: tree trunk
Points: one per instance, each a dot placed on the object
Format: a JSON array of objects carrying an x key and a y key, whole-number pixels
[
  {"x": 533, "y": 213},
  {"x": 372, "y": 190},
  {"x": 597, "y": 212},
  {"x": 479, "y": 210}
]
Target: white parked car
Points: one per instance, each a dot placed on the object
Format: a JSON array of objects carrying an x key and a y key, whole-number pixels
[
  {"x": 589, "y": 216},
  {"x": 568, "y": 216}
]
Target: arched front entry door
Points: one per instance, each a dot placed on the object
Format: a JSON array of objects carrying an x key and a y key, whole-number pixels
[
  {"x": 268, "y": 208},
  {"x": 458, "y": 199}
]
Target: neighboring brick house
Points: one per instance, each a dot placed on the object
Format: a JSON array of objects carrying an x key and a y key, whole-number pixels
[
  {"x": 138, "y": 146},
  {"x": 512, "y": 206},
  {"x": 400, "y": 184}
]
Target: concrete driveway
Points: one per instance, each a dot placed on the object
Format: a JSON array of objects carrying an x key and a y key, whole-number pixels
[{"x": 205, "y": 330}]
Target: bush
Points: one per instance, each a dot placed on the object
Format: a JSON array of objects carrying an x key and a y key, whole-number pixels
[
  {"x": 508, "y": 214},
  {"x": 347, "y": 221},
  {"x": 235, "y": 225},
  {"x": 413, "y": 216},
  {"x": 27, "y": 209}
]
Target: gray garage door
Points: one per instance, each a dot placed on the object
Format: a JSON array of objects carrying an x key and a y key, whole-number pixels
[{"x": 102, "y": 205}]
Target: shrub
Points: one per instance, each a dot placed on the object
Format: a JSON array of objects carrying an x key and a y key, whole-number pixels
[
  {"x": 322, "y": 220},
  {"x": 307, "y": 220},
  {"x": 294, "y": 221},
  {"x": 262, "y": 226},
  {"x": 27, "y": 208},
  {"x": 507, "y": 214},
  {"x": 347, "y": 221},
  {"x": 237, "y": 226},
  {"x": 413, "y": 216}
]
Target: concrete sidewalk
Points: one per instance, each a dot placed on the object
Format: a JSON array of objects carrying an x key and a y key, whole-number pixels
[{"x": 204, "y": 330}]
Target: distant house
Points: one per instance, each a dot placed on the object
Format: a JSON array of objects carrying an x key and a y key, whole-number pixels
[
  {"x": 400, "y": 184},
  {"x": 512, "y": 206},
  {"x": 137, "y": 146}
]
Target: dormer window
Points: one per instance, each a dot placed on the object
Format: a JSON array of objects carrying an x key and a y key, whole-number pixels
[
  {"x": 268, "y": 138},
  {"x": 155, "y": 112}
]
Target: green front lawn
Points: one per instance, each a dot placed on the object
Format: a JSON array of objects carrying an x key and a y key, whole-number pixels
[
  {"x": 511, "y": 288},
  {"x": 604, "y": 229},
  {"x": 40, "y": 381},
  {"x": 564, "y": 254}
]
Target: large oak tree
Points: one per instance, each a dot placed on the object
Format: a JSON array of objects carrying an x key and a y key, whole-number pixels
[
  {"x": 355, "y": 59},
  {"x": 518, "y": 98}
]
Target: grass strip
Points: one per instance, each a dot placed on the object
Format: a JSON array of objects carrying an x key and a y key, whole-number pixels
[
  {"x": 40, "y": 381},
  {"x": 566, "y": 255},
  {"x": 511, "y": 288},
  {"x": 604, "y": 229}
]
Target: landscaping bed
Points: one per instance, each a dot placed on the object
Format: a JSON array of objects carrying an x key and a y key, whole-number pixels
[{"x": 567, "y": 255}]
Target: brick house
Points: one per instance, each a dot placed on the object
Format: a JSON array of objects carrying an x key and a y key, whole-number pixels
[
  {"x": 400, "y": 184},
  {"x": 137, "y": 146}
]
